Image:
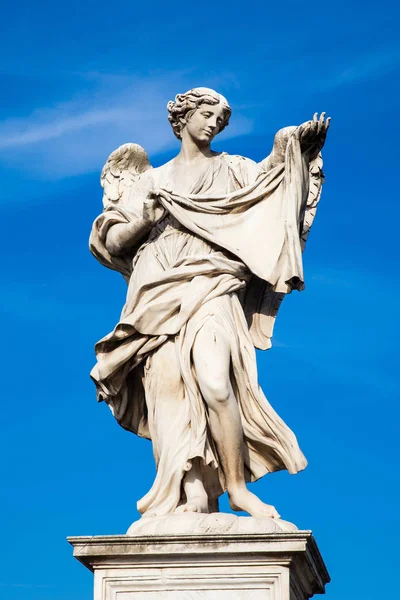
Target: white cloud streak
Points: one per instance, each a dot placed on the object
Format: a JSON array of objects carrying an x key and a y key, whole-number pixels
[
  {"x": 76, "y": 136},
  {"x": 37, "y": 131}
]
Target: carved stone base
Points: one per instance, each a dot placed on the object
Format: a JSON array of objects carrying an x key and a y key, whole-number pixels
[
  {"x": 239, "y": 565},
  {"x": 197, "y": 523}
]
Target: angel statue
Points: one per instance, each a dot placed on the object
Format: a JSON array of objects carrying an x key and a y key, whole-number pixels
[{"x": 209, "y": 245}]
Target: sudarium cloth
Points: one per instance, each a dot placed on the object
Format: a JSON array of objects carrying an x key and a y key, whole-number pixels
[{"x": 237, "y": 226}]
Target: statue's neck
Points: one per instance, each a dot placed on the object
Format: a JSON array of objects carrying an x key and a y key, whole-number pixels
[{"x": 192, "y": 152}]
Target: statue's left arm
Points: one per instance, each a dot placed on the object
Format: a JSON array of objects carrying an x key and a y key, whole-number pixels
[
  {"x": 311, "y": 134},
  {"x": 262, "y": 303}
]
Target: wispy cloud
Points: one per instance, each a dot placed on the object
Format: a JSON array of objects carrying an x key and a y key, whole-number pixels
[
  {"x": 44, "y": 127},
  {"x": 75, "y": 136}
]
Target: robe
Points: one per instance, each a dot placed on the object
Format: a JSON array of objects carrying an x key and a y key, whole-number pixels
[{"x": 233, "y": 236}]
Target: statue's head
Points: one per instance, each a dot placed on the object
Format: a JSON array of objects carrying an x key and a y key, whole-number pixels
[{"x": 202, "y": 111}]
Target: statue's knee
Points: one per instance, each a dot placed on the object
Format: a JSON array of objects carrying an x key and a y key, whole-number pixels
[{"x": 216, "y": 394}]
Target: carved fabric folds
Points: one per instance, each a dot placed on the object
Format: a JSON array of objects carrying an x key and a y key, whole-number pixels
[{"x": 235, "y": 227}]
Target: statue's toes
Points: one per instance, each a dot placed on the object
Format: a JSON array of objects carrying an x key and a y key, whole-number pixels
[{"x": 274, "y": 513}]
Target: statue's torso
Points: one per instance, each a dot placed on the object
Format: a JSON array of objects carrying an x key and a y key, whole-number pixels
[
  {"x": 217, "y": 175},
  {"x": 169, "y": 241}
]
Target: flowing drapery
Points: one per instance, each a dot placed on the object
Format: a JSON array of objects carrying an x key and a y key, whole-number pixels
[{"x": 236, "y": 226}]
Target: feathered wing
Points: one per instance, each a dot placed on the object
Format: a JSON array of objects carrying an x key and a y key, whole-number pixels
[
  {"x": 121, "y": 173},
  {"x": 261, "y": 303},
  {"x": 124, "y": 190},
  {"x": 314, "y": 195}
]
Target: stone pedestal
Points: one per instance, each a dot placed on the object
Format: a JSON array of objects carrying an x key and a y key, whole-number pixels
[{"x": 279, "y": 565}]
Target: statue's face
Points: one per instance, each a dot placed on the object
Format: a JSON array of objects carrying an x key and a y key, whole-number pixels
[{"x": 204, "y": 124}]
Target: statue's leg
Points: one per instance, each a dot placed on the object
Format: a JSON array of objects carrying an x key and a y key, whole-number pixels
[
  {"x": 212, "y": 361},
  {"x": 196, "y": 496},
  {"x": 168, "y": 389}
]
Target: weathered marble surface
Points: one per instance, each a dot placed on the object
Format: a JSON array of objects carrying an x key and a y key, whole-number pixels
[
  {"x": 209, "y": 245},
  {"x": 243, "y": 566},
  {"x": 197, "y": 523}
]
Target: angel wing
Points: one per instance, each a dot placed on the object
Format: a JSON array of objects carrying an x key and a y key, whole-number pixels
[
  {"x": 261, "y": 303},
  {"x": 125, "y": 187},
  {"x": 317, "y": 178},
  {"x": 122, "y": 173}
]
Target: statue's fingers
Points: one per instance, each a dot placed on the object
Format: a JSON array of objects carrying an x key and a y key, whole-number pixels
[
  {"x": 321, "y": 121},
  {"x": 325, "y": 127},
  {"x": 315, "y": 117},
  {"x": 304, "y": 129},
  {"x": 308, "y": 131}
]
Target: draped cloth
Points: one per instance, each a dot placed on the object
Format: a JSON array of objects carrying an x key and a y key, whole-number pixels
[{"x": 236, "y": 227}]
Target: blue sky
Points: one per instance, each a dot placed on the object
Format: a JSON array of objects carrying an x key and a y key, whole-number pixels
[{"x": 76, "y": 83}]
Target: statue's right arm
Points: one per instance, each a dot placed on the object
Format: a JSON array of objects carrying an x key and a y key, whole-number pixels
[
  {"x": 277, "y": 155},
  {"x": 121, "y": 237}
]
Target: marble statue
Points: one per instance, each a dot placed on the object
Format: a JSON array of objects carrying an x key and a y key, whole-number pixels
[{"x": 209, "y": 245}]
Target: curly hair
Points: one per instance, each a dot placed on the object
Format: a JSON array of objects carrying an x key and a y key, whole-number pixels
[{"x": 186, "y": 104}]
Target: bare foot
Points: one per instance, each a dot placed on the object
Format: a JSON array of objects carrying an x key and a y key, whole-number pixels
[
  {"x": 244, "y": 500},
  {"x": 196, "y": 504}
]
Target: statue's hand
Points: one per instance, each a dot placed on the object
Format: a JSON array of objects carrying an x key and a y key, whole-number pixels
[
  {"x": 153, "y": 211},
  {"x": 312, "y": 134}
]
